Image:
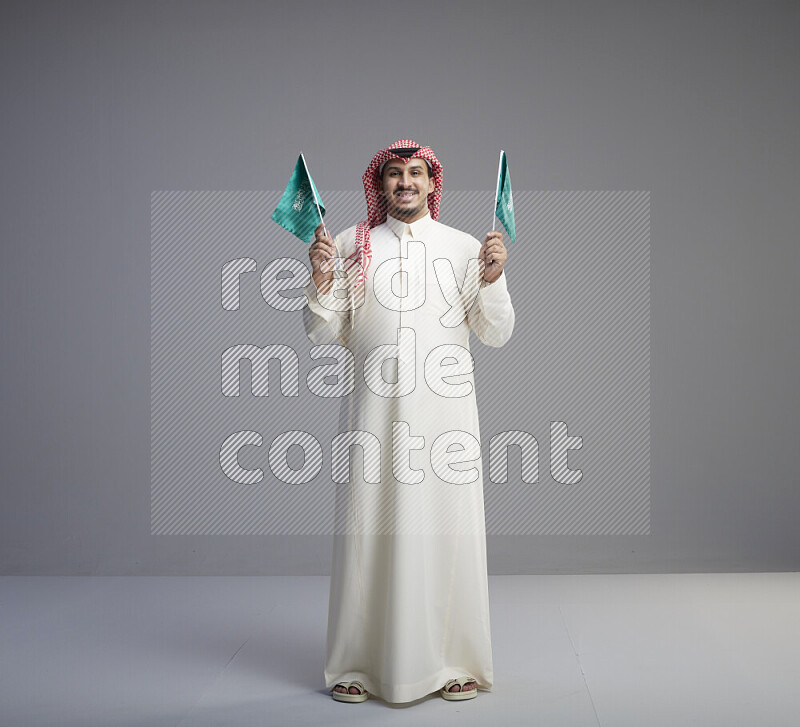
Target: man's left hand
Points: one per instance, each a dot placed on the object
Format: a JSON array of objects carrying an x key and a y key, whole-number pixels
[{"x": 493, "y": 253}]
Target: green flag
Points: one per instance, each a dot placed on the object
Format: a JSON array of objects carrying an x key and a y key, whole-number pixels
[
  {"x": 297, "y": 211},
  {"x": 504, "y": 205}
]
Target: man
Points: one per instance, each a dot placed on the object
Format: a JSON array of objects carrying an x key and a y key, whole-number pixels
[{"x": 409, "y": 606}]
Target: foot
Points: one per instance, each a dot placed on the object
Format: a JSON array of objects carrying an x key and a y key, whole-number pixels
[
  {"x": 467, "y": 686},
  {"x": 352, "y": 691},
  {"x": 342, "y": 689},
  {"x": 458, "y": 688}
]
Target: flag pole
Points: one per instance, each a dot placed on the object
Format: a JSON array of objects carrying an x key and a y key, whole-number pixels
[
  {"x": 497, "y": 189},
  {"x": 319, "y": 211}
]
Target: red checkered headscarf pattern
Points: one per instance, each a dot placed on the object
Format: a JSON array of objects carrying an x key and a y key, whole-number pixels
[{"x": 376, "y": 203}]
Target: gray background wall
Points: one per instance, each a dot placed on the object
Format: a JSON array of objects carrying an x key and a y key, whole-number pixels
[{"x": 104, "y": 102}]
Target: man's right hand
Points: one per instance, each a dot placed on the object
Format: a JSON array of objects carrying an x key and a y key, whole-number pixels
[{"x": 322, "y": 255}]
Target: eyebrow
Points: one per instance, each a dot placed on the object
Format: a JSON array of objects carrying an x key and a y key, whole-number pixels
[{"x": 400, "y": 165}]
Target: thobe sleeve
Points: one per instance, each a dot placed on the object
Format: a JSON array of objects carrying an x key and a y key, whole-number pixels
[
  {"x": 492, "y": 315},
  {"x": 326, "y": 318}
]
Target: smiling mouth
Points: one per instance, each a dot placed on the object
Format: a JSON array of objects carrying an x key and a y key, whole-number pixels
[{"x": 405, "y": 195}]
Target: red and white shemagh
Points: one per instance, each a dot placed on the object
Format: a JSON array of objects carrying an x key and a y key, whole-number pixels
[{"x": 376, "y": 203}]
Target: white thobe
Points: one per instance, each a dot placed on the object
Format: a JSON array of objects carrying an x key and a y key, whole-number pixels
[{"x": 409, "y": 599}]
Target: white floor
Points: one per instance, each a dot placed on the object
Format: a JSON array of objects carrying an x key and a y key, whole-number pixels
[{"x": 610, "y": 650}]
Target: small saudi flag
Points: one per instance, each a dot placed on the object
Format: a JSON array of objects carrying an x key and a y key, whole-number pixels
[
  {"x": 300, "y": 209},
  {"x": 504, "y": 204}
]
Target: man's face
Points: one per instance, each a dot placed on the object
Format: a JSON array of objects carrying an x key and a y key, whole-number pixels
[{"x": 406, "y": 186}]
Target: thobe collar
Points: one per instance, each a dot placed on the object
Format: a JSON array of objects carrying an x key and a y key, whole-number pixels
[{"x": 415, "y": 229}]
